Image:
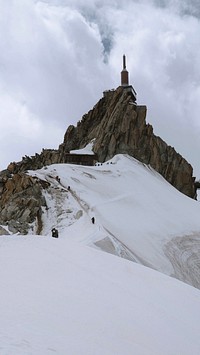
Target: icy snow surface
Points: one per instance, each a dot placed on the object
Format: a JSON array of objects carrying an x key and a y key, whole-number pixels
[
  {"x": 65, "y": 296},
  {"x": 58, "y": 297}
]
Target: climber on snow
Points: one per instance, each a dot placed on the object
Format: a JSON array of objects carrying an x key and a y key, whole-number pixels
[{"x": 54, "y": 232}]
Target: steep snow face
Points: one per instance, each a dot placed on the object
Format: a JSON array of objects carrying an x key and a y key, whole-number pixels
[
  {"x": 138, "y": 215},
  {"x": 60, "y": 297}
]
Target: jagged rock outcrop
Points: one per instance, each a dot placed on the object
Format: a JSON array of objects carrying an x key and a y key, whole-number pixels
[
  {"x": 119, "y": 126},
  {"x": 38, "y": 161},
  {"x": 21, "y": 198},
  {"x": 21, "y": 202}
]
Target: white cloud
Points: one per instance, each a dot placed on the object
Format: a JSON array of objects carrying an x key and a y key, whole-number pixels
[
  {"x": 23, "y": 133},
  {"x": 57, "y": 56}
]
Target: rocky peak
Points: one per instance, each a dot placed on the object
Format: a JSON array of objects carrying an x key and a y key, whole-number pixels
[{"x": 118, "y": 125}]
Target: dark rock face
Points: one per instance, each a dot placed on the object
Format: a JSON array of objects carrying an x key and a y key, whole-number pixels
[
  {"x": 21, "y": 198},
  {"x": 21, "y": 203},
  {"x": 119, "y": 126}
]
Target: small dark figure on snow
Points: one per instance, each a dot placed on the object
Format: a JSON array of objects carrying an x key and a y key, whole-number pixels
[
  {"x": 93, "y": 220},
  {"x": 54, "y": 233},
  {"x": 58, "y": 179},
  {"x": 68, "y": 188}
]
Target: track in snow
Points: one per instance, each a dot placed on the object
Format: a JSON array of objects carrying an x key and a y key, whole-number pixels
[{"x": 184, "y": 255}]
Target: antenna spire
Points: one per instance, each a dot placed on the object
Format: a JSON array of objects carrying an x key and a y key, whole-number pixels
[
  {"x": 124, "y": 73},
  {"x": 124, "y": 61}
]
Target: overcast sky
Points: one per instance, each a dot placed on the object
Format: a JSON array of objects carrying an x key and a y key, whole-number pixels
[{"x": 58, "y": 56}]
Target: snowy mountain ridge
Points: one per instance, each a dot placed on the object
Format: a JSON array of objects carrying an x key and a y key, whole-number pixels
[{"x": 138, "y": 214}]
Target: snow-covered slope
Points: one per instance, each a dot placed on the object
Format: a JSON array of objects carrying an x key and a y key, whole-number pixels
[
  {"x": 66, "y": 296},
  {"x": 60, "y": 297},
  {"x": 138, "y": 214}
]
